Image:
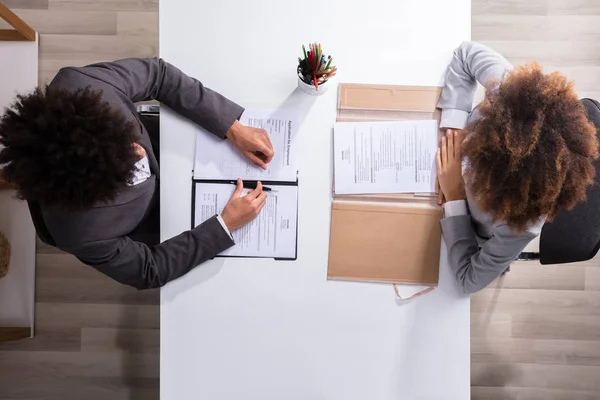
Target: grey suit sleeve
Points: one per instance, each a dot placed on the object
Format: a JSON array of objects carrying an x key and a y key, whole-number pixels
[
  {"x": 142, "y": 79},
  {"x": 475, "y": 268},
  {"x": 144, "y": 267},
  {"x": 471, "y": 63}
]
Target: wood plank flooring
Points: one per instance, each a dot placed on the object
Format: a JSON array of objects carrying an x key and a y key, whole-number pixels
[
  {"x": 95, "y": 339},
  {"x": 535, "y": 333}
]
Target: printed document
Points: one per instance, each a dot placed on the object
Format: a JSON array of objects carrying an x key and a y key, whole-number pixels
[
  {"x": 385, "y": 157},
  {"x": 219, "y": 159},
  {"x": 272, "y": 234}
]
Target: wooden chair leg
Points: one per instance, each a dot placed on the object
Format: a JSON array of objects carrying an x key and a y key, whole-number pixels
[{"x": 14, "y": 333}]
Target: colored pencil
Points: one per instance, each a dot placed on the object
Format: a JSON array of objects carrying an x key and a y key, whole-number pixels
[
  {"x": 315, "y": 68},
  {"x": 327, "y": 71}
]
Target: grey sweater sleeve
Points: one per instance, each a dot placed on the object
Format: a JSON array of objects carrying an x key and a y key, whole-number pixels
[
  {"x": 475, "y": 268},
  {"x": 471, "y": 63},
  {"x": 142, "y": 79}
]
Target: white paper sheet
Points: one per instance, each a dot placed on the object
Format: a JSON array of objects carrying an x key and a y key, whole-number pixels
[
  {"x": 271, "y": 234},
  {"x": 385, "y": 157},
  {"x": 218, "y": 159}
]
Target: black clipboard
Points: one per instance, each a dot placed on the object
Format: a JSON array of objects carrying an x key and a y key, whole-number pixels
[{"x": 228, "y": 182}]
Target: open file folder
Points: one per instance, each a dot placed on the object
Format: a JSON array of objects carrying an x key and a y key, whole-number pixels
[
  {"x": 273, "y": 234},
  {"x": 393, "y": 238}
]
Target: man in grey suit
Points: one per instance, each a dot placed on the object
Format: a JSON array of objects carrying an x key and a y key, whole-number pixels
[{"x": 79, "y": 154}]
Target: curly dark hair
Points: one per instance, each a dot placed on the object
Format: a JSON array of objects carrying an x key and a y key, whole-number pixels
[
  {"x": 531, "y": 153},
  {"x": 66, "y": 148}
]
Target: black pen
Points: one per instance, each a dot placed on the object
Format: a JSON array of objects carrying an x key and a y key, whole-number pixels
[{"x": 252, "y": 185}]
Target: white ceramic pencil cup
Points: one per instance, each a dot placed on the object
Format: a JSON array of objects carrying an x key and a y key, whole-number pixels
[{"x": 311, "y": 90}]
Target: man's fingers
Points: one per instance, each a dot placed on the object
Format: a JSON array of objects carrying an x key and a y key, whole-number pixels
[
  {"x": 266, "y": 157},
  {"x": 266, "y": 149},
  {"x": 268, "y": 138},
  {"x": 261, "y": 199},
  {"x": 256, "y": 192},
  {"x": 269, "y": 154},
  {"x": 438, "y": 161},
  {"x": 261, "y": 205},
  {"x": 256, "y": 160},
  {"x": 239, "y": 188}
]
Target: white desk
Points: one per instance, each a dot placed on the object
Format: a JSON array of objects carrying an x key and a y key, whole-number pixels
[{"x": 264, "y": 329}]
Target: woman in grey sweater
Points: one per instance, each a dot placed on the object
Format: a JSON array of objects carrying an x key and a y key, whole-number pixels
[{"x": 528, "y": 152}]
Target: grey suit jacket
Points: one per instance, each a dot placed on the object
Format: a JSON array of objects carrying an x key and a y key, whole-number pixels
[
  {"x": 99, "y": 236},
  {"x": 479, "y": 248}
]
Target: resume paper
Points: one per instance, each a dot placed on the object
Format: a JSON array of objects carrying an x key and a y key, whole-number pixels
[
  {"x": 385, "y": 157},
  {"x": 271, "y": 234},
  {"x": 217, "y": 158}
]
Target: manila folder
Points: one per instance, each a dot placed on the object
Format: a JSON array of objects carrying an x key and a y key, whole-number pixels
[{"x": 384, "y": 240}]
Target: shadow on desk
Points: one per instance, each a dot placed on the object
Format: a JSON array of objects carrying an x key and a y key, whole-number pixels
[
  {"x": 301, "y": 103},
  {"x": 202, "y": 273},
  {"x": 429, "y": 337}
]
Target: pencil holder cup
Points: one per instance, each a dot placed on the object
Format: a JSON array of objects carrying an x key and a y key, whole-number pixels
[{"x": 311, "y": 89}]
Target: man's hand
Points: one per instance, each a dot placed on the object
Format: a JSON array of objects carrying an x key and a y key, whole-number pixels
[
  {"x": 242, "y": 209},
  {"x": 253, "y": 143},
  {"x": 449, "y": 167}
]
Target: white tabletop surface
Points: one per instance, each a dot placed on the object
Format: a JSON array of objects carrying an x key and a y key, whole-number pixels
[{"x": 264, "y": 329}]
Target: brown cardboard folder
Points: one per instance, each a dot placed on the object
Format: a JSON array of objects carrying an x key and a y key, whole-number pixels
[{"x": 386, "y": 238}]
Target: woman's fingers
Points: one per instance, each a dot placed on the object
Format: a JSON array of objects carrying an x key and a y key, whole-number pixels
[
  {"x": 445, "y": 150},
  {"x": 451, "y": 147}
]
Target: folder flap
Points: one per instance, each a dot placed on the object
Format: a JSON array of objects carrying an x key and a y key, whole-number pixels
[
  {"x": 382, "y": 97},
  {"x": 384, "y": 243},
  {"x": 386, "y": 206}
]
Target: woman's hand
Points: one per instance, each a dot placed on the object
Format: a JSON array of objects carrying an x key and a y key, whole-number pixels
[{"x": 449, "y": 167}]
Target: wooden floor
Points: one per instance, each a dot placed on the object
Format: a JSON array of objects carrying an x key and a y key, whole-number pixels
[
  {"x": 95, "y": 339},
  {"x": 535, "y": 334}
]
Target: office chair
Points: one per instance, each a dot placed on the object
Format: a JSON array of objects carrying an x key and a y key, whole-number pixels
[
  {"x": 148, "y": 231},
  {"x": 150, "y": 117},
  {"x": 574, "y": 235}
]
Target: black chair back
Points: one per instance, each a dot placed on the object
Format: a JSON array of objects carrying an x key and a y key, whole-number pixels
[{"x": 574, "y": 235}]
